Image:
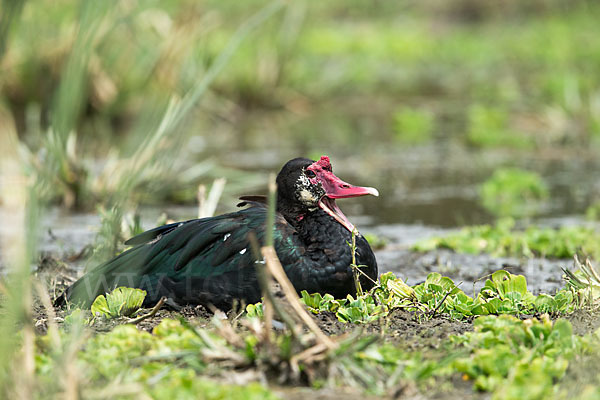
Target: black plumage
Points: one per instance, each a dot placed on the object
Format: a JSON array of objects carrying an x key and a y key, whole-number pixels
[{"x": 210, "y": 260}]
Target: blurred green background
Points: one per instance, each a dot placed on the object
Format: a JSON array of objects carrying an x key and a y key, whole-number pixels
[{"x": 424, "y": 100}]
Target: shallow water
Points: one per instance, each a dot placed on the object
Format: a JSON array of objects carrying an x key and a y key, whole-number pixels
[{"x": 438, "y": 184}]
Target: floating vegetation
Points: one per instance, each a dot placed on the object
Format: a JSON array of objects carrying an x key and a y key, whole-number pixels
[
  {"x": 506, "y": 356},
  {"x": 121, "y": 302},
  {"x": 504, "y": 239},
  {"x": 503, "y": 293}
]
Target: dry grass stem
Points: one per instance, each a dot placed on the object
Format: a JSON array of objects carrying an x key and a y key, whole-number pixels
[
  {"x": 50, "y": 314},
  {"x": 207, "y": 205},
  {"x": 152, "y": 312},
  {"x": 276, "y": 270}
]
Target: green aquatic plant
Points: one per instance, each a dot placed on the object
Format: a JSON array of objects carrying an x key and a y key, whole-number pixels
[
  {"x": 255, "y": 310},
  {"x": 317, "y": 303},
  {"x": 513, "y": 192},
  {"x": 515, "y": 358},
  {"x": 176, "y": 359},
  {"x": 167, "y": 363},
  {"x": 363, "y": 309},
  {"x": 504, "y": 239},
  {"x": 150, "y": 363},
  {"x": 506, "y": 293},
  {"x": 121, "y": 302},
  {"x": 503, "y": 293},
  {"x": 500, "y": 356}
]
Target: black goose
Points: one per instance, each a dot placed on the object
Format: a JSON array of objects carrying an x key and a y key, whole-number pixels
[{"x": 209, "y": 260}]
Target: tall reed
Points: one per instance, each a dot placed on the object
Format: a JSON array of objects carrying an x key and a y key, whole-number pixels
[{"x": 23, "y": 204}]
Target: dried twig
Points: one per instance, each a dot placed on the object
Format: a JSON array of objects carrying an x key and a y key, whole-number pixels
[
  {"x": 307, "y": 356},
  {"x": 226, "y": 330},
  {"x": 51, "y": 315},
  {"x": 441, "y": 303},
  {"x": 268, "y": 297},
  {"x": 208, "y": 205},
  {"x": 360, "y": 271},
  {"x": 590, "y": 270},
  {"x": 152, "y": 312},
  {"x": 275, "y": 268}
]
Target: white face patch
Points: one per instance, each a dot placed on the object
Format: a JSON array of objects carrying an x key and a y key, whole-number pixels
[
  {"x": 226, "y": 236},
  {"x": 303, "y": 181},
  {"x": 303, "y": 189},
  {"x": 307, "y": 197}
]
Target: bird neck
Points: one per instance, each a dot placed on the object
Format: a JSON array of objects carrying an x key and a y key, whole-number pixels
[
  {"x": 312, "y": 224},
  {"x": 293, "y": 212},
  {"x": 319, "y": 227}
]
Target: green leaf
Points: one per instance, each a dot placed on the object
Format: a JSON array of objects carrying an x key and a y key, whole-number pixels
[
  {"x": 544, "y": 304},
  {"x": 100, "y": 307},
  {"x": 121, "y": 302},
  {"x": 254, "y": 310}
]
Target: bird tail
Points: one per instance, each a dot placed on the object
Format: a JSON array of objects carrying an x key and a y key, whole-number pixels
[{"x": 123, "y": 270}]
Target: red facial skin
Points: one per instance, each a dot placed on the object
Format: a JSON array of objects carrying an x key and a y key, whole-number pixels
[{"x": 335, "y": 188}]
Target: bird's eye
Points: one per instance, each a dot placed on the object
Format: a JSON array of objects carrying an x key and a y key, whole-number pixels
[{"x": 310, "y": 173}]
